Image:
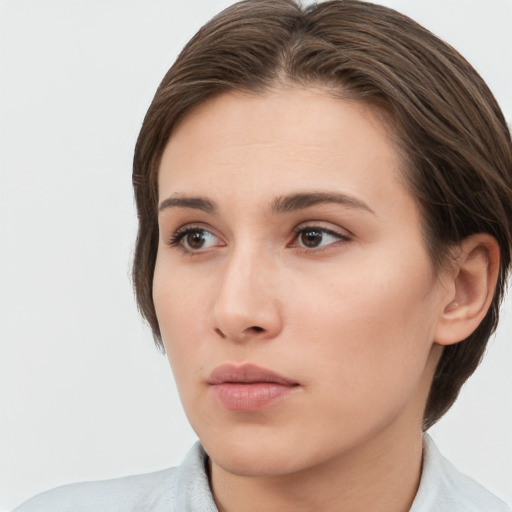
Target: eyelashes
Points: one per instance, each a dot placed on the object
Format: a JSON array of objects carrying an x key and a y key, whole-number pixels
[
  {"x": 194, "y": 239},
  {"x": 315, "y": 237}
]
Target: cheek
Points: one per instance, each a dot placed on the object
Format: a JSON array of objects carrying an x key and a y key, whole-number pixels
[
  {"x": 372, "y": 327},
  {"x": 181, "y": 311}
]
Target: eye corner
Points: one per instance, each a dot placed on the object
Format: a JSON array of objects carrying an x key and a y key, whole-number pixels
[
  {"x": 194, "y": 239},
  {"x": 315, "y": 237}
]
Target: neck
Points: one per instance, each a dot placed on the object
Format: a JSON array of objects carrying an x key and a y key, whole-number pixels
[{"x": 383, "y": 474}]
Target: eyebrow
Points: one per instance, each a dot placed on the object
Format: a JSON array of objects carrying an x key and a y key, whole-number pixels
[
  {"x": 302, "y": 201},
  {"x": 282, "y": 204},
  {"x": 196, "y": 203}
]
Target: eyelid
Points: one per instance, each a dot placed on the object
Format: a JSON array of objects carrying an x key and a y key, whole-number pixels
[
  {"x": 342, "y": 234},
  {"x": 323, "y": 226},
  {"x": 175, "y": 240}
]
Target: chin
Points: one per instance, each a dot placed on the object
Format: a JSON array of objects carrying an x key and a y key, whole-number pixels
[
  {"x": 255, "y": 463},
  {"x": 254, "y": 455}
]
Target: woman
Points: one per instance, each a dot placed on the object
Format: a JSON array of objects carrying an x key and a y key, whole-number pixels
[{"x": 325, "y": 211}]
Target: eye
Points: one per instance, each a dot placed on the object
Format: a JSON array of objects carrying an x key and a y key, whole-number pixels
[
  {"x": 314, "y": 237},
  {"x": 192, "y": 239}
]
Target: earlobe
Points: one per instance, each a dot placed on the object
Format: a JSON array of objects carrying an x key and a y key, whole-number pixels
[{"x": 475, "y": 274}]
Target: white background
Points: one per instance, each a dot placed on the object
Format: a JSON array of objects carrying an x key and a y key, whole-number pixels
[{"x": 83, "y": 393}]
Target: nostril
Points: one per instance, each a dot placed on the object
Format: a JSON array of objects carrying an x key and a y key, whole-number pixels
[
  {"x": 220, "y": 333},
  {"x": 255, "y": 328}
]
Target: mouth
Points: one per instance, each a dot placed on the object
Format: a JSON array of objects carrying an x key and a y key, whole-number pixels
[{"x": 248, "y": 387}]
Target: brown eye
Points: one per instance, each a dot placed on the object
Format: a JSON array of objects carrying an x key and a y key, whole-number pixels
[
  {"x": 191, "y": 239},
  {"x": 314, "y": 237},
  {"x": 195, "y": 239},
  {"x": 311, "y": 238}
]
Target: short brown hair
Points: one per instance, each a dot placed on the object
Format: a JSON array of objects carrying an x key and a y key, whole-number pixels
[{"x": 454, "y": 138}]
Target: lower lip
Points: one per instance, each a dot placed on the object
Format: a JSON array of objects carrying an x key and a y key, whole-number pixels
[{"x": 250, "y": 397}]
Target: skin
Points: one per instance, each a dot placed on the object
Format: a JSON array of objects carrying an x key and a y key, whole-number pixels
[{"x": 352, "y": 320}]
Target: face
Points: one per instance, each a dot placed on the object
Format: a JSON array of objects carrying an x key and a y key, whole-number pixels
[{"x": 292, "y": 287}]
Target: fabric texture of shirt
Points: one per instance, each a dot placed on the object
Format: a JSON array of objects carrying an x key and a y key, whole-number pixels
[{"x": 186, "y": 489}]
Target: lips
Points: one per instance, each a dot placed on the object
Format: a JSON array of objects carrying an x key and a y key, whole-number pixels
[{"x": 248, "y": 387}]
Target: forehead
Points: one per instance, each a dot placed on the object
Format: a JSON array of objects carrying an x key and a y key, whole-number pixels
[
  {"x": 292, "y": 133},
  {"x": 287, "y": 141}
]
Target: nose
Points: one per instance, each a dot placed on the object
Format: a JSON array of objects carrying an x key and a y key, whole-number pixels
[{"x": 247, "y": 305}]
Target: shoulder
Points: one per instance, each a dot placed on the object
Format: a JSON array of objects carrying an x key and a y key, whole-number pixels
[
  {"x": 152, "y": 491},
  {"x": 443, "y": 488},
  {"x": 181, "y": 489}
]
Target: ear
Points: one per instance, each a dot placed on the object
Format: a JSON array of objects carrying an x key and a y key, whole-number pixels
[{"x": 471, "y": 288}]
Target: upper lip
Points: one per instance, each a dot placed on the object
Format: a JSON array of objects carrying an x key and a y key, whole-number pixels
[{"x": 246, "y": 374}]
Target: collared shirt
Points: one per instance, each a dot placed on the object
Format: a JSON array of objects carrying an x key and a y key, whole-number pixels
[{"x": 186, "y": 489}]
